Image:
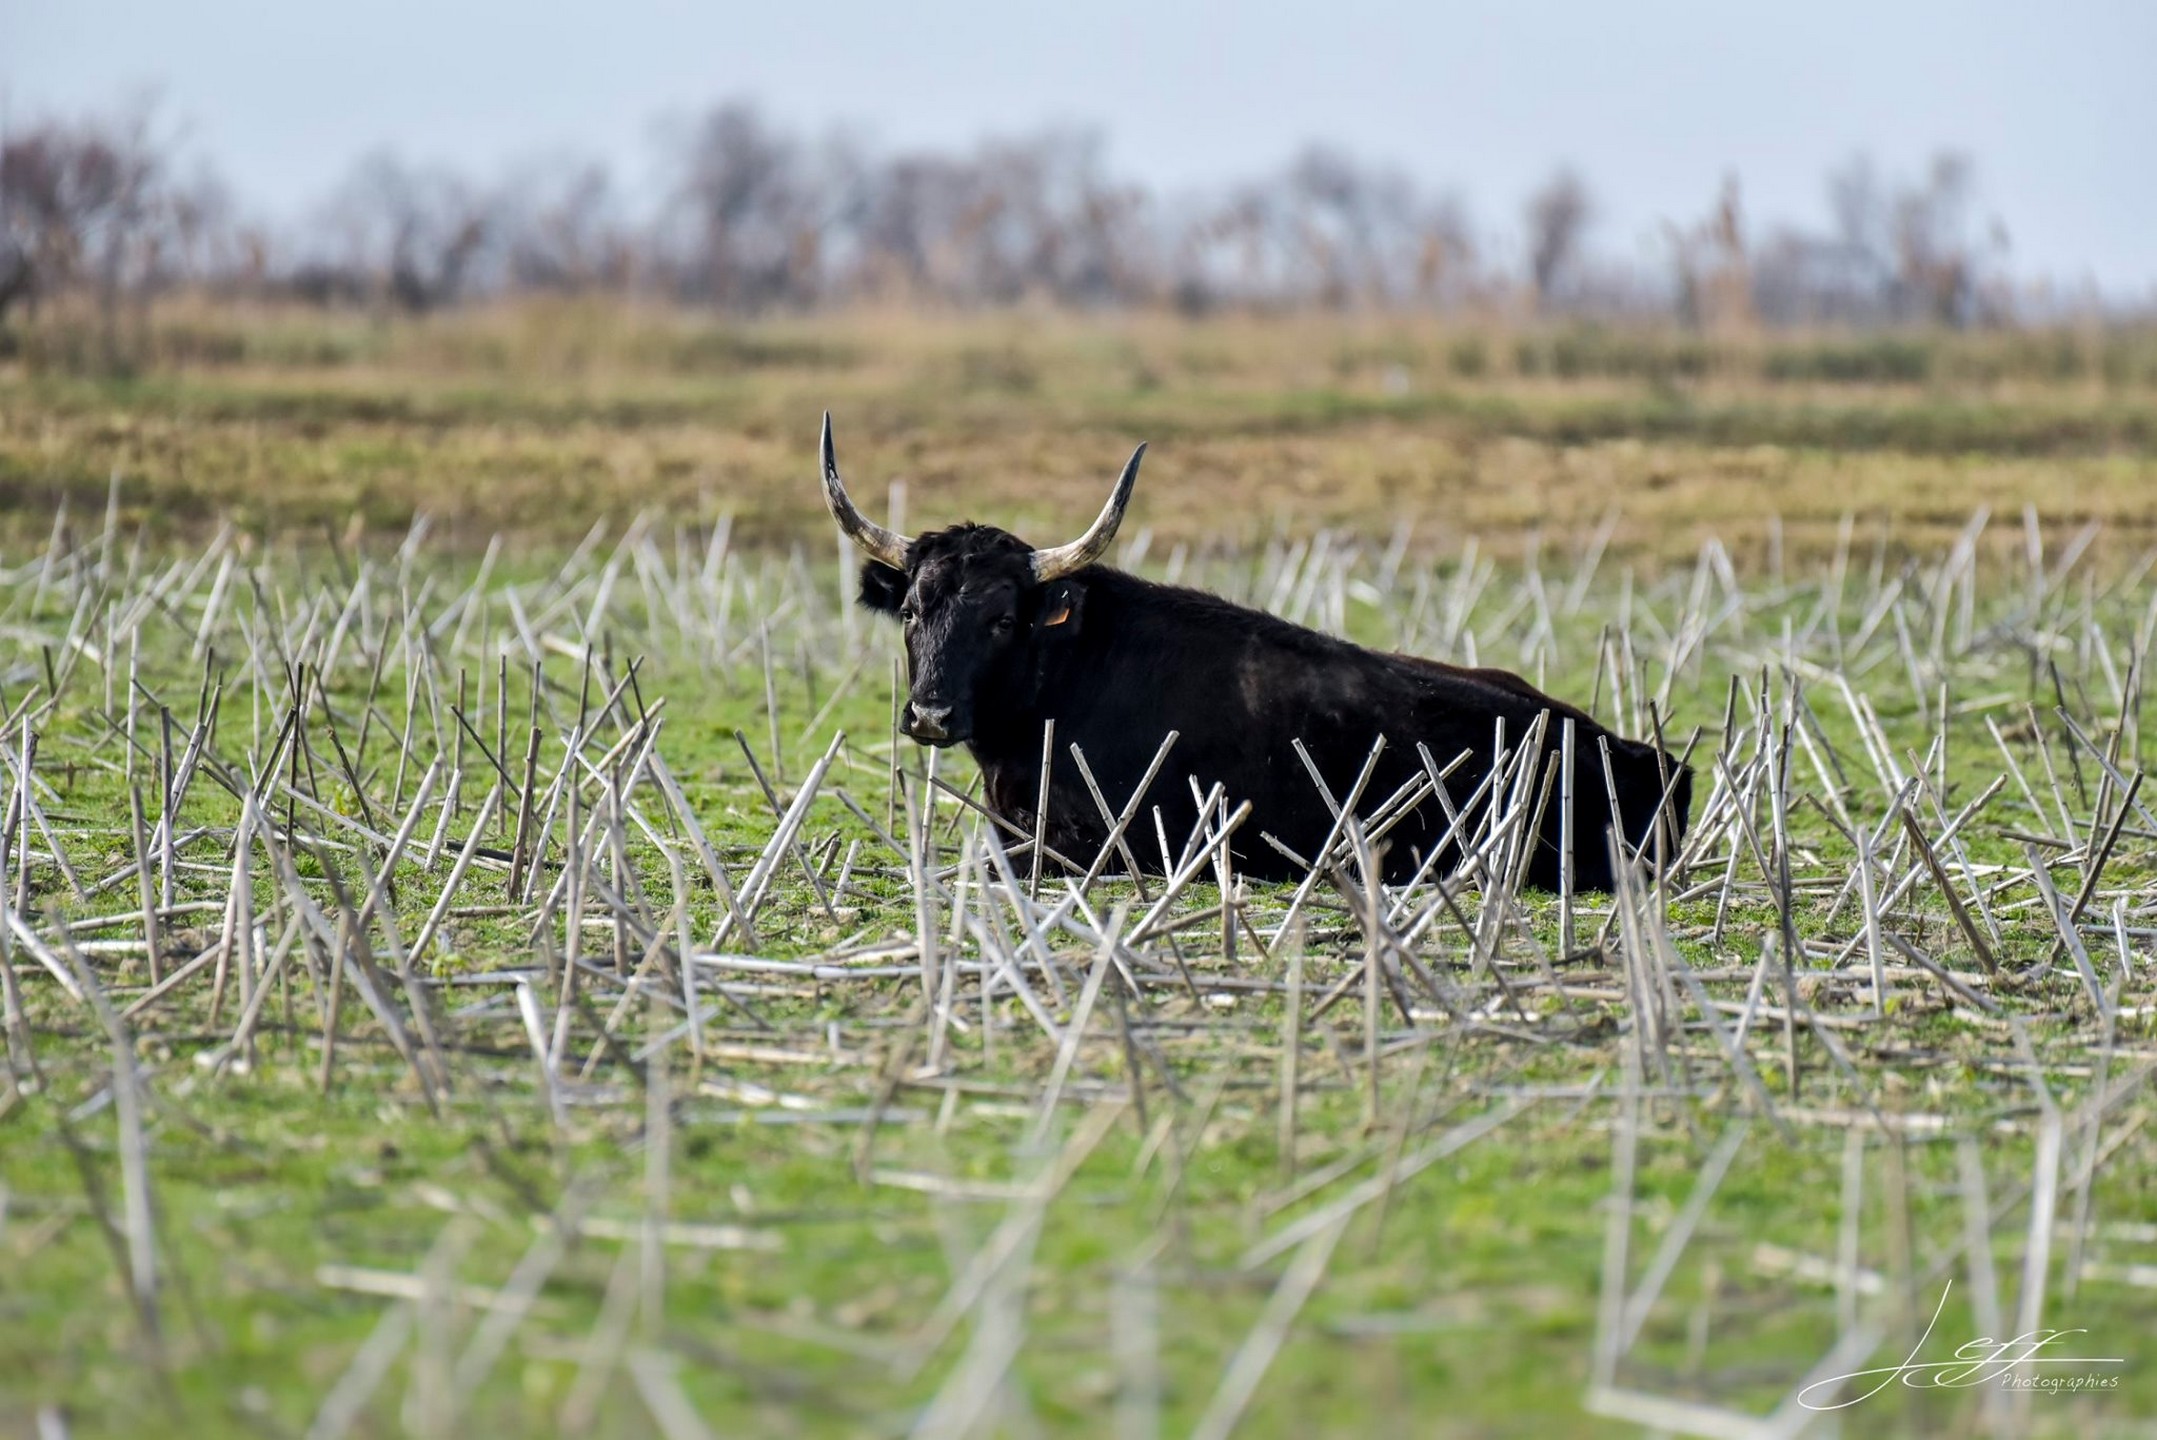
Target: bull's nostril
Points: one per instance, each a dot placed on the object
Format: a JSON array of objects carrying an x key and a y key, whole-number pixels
[{"x": 930, "y": 722}]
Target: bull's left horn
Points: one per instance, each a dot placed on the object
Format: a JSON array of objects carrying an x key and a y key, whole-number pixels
[
  {"x": 1061, "y": 561},
  {"x": 888, "y": 546}
]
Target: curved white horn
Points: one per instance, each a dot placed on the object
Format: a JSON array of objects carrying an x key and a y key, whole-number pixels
[
  {"x": 887, "y": 546},
  {"x": 1061, "y": 561}
]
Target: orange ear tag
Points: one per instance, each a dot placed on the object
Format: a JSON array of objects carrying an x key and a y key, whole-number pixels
[{"x": 1062, "y": 614}]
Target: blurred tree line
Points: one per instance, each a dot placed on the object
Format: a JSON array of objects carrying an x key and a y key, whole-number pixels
[{"x": 105, "y": 213}]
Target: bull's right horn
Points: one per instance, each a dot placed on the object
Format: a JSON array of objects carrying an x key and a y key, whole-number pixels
[{"x": 887, "y": 546}]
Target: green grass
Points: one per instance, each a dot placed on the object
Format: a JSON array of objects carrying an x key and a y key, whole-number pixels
[{"x": 1464, "y": 1304}]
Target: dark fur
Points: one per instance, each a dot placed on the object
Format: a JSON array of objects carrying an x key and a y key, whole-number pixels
[{"x": 1131, "y": 660}]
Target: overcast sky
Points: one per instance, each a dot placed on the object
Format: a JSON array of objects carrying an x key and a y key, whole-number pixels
[{"x": 1653, "y": 100}]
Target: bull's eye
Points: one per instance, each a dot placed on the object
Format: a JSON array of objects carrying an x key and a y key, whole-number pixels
[
  {"x": 908, "y": 615},
  {"x": 1003, "y": 625}
]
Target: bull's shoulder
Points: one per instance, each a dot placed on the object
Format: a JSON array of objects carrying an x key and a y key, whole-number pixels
[
  {"x": 1153, "y": 611},
  {"x": 1488, "y": 678}
]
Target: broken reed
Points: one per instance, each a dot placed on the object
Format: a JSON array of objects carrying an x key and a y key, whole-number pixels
[{"x": 375, "y": 803}]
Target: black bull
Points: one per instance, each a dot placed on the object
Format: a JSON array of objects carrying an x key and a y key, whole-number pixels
[{"x": 997, "y": 649}]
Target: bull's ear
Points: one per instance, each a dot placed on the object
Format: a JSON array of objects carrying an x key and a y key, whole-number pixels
[
  {"x": 1062, "y": 603},
  {"x": 882, "y": 588}
]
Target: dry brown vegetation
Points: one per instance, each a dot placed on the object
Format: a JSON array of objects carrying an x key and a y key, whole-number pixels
[{"x": 540, "y": 418}]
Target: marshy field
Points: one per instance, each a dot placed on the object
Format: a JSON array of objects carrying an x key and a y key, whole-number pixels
[{"x": 479, "y": 958}]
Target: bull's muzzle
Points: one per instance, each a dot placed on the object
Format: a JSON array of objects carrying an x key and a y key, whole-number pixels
[{"x": 930, "y": 724}]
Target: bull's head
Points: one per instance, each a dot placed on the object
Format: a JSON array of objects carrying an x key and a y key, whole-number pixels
[{"x": 979, "y": 604}]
